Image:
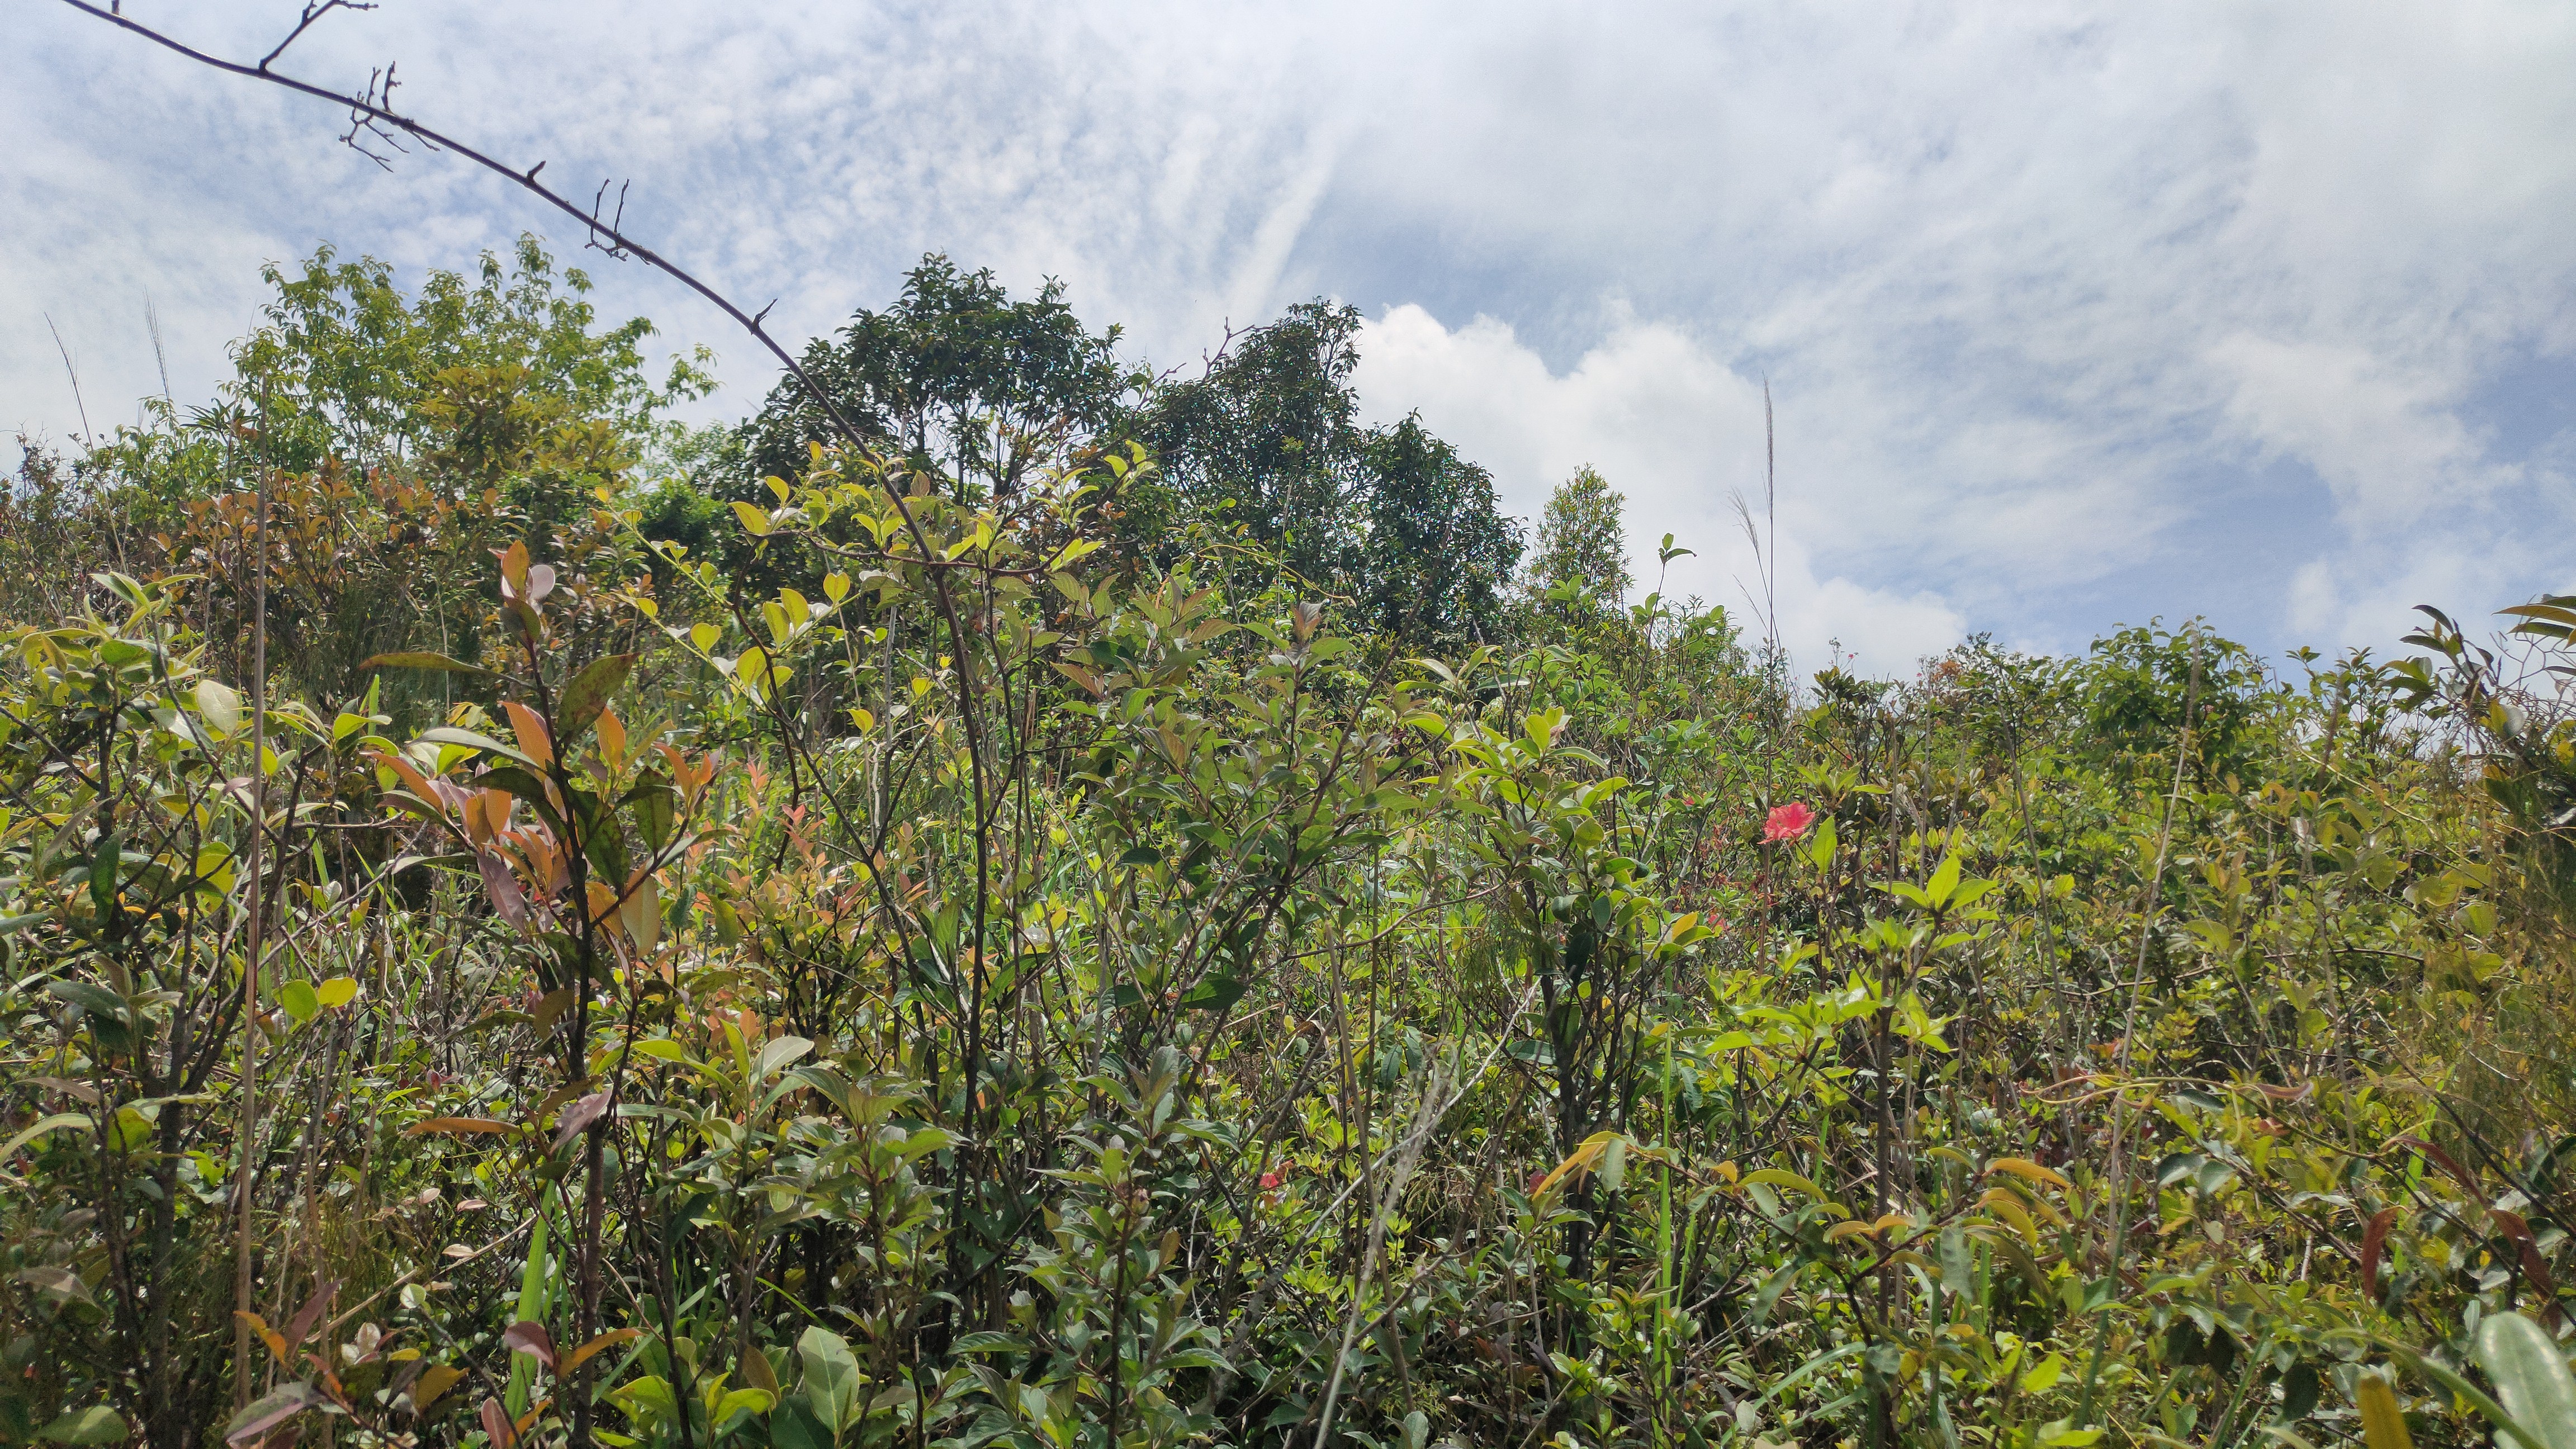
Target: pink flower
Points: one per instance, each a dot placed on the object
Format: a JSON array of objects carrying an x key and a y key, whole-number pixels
[
  {"x": 1787, "y": 822},
  {"x": 1274, "y": 1177}
]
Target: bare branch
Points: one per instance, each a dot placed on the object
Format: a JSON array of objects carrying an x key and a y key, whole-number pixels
[
  {"x": 379, "y": 92},
  {"x": 313, "y": 10},
  {"x": 375, "y": 107},
  {"x": 616, "y": 247}
]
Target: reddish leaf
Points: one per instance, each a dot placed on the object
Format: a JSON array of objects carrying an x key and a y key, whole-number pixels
[
  {"x": 269, "y": 1412},
  {"x": 2374, "y": 1240},
  {"x": 310, "y": 1314},
  {"x": 2534, "y": 1267},
  {"x": 502, "y": 887},
  {"x": 578, "y": 1116},
  {"x": 2443, "y": 1159},
  {"x": 530, "y": 1339},
  {"x": 496, "y": 1425}
]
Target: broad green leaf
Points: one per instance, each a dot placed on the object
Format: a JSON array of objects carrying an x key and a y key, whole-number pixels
[
  {"x": 91, "y": 998},
  {"x": 775, "y": 1056},
  {"x": 2044, "y": 1375},
  {"x": 831, "y": 1378},
  {"x": 97, "y": 1424},
  {"x": 588, "y": 694},
  {"x": 59, "y": 1122},
  {"x": 451, "y": 735},
  {"x": 2531, "y": 1379},
  {"x": 219, "y": 705}
]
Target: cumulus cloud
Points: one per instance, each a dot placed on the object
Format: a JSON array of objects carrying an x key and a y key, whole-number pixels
[
  {"x": 1677, "y": 432},
  {"x": 2076, "y": 312}
]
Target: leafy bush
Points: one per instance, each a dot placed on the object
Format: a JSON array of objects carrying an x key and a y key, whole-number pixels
[{"x": 885, "y": 960}]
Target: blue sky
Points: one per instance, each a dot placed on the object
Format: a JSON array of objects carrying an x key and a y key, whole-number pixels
[{"x": 2074, "y": 314}]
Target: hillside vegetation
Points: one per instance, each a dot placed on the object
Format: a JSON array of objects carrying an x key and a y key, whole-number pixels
[{"x": 1139, "y": 910}]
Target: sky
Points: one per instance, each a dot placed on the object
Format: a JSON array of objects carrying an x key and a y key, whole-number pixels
[{"x": 2071, "y": 315}]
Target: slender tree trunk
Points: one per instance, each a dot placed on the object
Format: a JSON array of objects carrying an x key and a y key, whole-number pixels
[{"x": 243, "y": 1376}]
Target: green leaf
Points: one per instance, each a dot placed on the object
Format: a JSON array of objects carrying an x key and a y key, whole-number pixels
[
  {"x": 60, "y": 1121},
  {"x": 97, "y": 1424},
  {"x": 831, "y": 1378},
  {"x": 775, "y": 1056},
  {"x": 102, "y": 875},
  {"x": 300, "y": 1000},
  {"x": 219, "y": 706},
  {"x": 588, "y": 694},
  {"x": 451, "y": 735},
  {"x": 1217, "y": 993},
  {"x": 92, "y": 999},
  {"x": 742, "y": 1401},
  {"x": 793, "y": 1426},
  {"x": 336, "y": 992},
  {"x": 2531, "y": 1378}
]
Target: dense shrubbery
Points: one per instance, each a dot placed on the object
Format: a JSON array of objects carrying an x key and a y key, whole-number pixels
[{"x": 1052, "y": 936}]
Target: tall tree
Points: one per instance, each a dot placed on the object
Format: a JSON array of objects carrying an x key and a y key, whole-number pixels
[
  {"x": 1582, "y": 540},
  {"x": 1437, "y": 559},
  {"x": 1269, "y": 438},
  {"x": 956, "y": 377},
  {"x": 1269, "y": 442}
]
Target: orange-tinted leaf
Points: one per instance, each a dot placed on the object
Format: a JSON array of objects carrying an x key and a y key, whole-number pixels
[
  {"x": 605, "y": 1341},
  {"x": 276, "y": 1341},
  {"x": 530, "y": 729}
]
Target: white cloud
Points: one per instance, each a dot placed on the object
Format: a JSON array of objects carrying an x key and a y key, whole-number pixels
[
  {"x": 2076, "y": 311},
  {"x": 1675, "y": 431},
  {"x": 2385, "y": 440}
]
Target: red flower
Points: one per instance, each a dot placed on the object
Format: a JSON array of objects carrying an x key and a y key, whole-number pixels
[
  {"x": 1269, "y": 1180},
  {"x": 1787, "y": 822}
]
